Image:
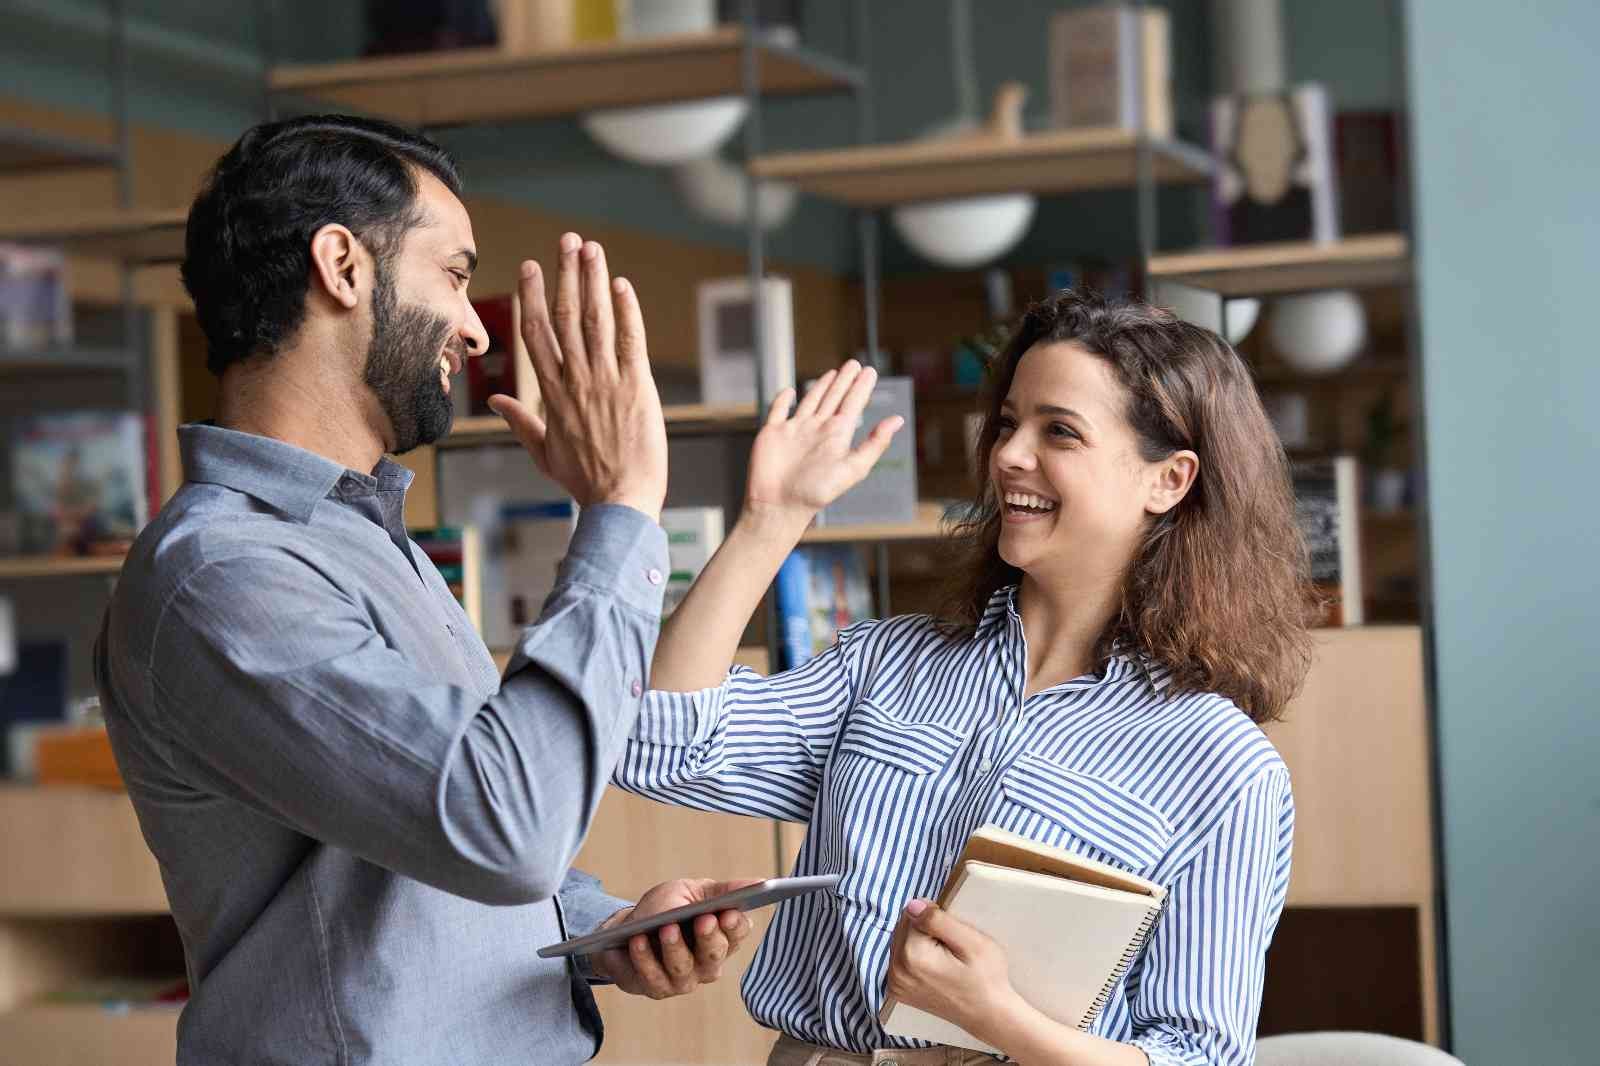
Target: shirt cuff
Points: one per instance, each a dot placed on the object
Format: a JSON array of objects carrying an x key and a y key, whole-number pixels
[
  {"x": 619, "y": 551},
  {"x": 1162, "y": 1050},
  {"x": 584, "y": 906},
  {"x": 677, "y": 719}
]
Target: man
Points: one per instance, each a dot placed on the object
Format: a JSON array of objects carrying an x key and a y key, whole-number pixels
[{"x": 364, "y": 831}]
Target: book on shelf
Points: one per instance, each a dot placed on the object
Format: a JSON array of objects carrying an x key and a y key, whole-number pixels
[
  {"x": 33, "y": 697},
  {"x": 727, "y": 319},
  {"x": 1369, "y": 155},
  {"x": 1327, "y": 503},
  {"x": 889, "y": 493},
  {"x": 1070, "y": 927},
  {"x": 35, "y": 303},
  {"x": 8, "y": 638},
  {"x": 496, "y": 369},
  {"x": 820, "y": 589},
  {"x": 1274, "y": 180},
  {"x": 534, "y": 536},
  {"x": 70, "y": 753},
  {"x": 493, "y": 489},
  {"x": 693, "y": 536},
  {"x": 457, "y": 553},
  {"x": 81, "y": 481},
  {"x": 1111, "y": 66}
]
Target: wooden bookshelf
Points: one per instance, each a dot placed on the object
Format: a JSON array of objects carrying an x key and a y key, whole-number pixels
[
  {"x": 74, "y": 852},
  {"x": 135, "y": 236},
  {"x": 1267, "y": 269},
  {"x": 1059, "y": 161},
  {"x": 489, "y": 84},
  {"x": 929, "y": 525},
  {"x": 491, "y": 429},
  {"x": 27, "y": 151},
  {"x": 1356, "y": 743},
  {"x": 30, "y": 566},
  {"x": 61, "y": 1034}
]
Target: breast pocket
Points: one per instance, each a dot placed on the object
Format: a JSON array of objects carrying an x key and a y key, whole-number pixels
[
  {"x": 881, "y": 796},
  {"x": 1082, "y": 813}
]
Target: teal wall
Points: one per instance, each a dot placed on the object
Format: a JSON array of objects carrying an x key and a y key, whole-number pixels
[{"x": 1507, "y": 164}]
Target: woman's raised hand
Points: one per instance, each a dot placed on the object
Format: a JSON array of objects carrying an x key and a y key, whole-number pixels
[{"x": 803, "y": 461}]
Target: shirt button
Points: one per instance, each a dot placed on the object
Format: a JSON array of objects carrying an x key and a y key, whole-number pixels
[
  {"x": 653, "y": 576},
  {"x": 637, "y": 689},
  {"x": 986, "y": 765}
]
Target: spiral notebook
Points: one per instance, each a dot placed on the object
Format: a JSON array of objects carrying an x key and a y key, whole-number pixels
[{"x": 1070, "y": 928}]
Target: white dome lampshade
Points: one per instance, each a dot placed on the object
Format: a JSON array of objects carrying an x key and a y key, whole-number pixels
[
  {"x": 666, "y": 134},
  {"x": 1318, "y": 332},
  {"x": 714, "y": 189},
  {"x": 966, "y": 232}
]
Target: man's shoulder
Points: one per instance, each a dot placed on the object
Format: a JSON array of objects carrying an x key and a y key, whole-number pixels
[{"x": 204, "y": 531}]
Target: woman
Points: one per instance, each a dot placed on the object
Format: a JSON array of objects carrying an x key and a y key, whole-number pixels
[{"x": 1134, "y": 600}]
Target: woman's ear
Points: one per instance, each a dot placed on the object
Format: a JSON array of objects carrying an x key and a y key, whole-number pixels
[
  {"x": 1172, "y": 479},
  {"x": 337, "y": 263}
]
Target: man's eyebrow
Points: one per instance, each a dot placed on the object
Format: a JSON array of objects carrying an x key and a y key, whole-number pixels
[{"x": 469, "y": 255}]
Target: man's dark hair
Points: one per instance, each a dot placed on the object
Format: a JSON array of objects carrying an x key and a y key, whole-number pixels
[{"x": 247, "y": 254}]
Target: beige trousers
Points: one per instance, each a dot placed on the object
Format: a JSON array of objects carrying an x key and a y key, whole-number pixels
[{"x": 791, "y": 1052}]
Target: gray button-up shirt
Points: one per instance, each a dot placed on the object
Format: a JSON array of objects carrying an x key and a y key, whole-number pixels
[{"x": 365, "y": 833}]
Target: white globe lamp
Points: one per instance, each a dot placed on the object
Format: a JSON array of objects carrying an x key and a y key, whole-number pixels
[{"x": 1318, "y": 332}]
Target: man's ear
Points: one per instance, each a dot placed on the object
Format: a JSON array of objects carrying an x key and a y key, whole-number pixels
[
  {"x": 338, "y": 265},
  {"x": 1174, "y": 477}
]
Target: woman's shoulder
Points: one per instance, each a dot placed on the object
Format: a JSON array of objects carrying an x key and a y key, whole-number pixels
[
  {"x": 1221, "y": 737},
  {"x": 1209, "y": 742}
]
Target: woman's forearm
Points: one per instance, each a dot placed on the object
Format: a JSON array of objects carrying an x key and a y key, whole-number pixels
[
  {"x": 698, "y": 642},
  {"x": 1031, "y": 1038}
]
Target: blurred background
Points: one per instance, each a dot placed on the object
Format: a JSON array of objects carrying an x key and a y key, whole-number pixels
[{"x": 1387, "y": 206}]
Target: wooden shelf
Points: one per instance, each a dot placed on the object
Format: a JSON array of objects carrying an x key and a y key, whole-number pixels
[
  {"x": 929, "y": 525},
  {"x": 74, "y": 852},
  {"x": 486, "y": 85},
  {"x": 26, "y": 566},
  {"x": 1266, "y": 269},
  {"x": 59, "y": 1034},
  {"x": 26, "y": 151},
  {"x": 137, "y": 236},
  {"x": 1059, "y": 161},
  {"x": 491, "y": 429}
]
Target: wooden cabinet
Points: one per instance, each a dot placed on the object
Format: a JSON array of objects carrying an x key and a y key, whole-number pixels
[{"x": 1357, "y": 744}]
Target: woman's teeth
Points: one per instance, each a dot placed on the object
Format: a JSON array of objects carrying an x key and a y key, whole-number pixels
[{"x": 1030, "y": 501}]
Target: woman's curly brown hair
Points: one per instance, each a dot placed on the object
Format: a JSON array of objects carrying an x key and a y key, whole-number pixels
[{"x": 1219, "y": 591}]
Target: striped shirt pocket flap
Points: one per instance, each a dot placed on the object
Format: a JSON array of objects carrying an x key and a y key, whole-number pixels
[
  {"x": 1093, "y": 809},
  {"x": 916, "y": 747}
]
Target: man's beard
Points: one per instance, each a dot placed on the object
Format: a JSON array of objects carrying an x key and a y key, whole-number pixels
[{"x": 403, "y": 366}]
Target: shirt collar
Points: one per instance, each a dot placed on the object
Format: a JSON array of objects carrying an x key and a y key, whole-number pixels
[
  {"x": 1002, "y": 616},
  {"x": 1001, "y": 607},
  {"x": 286, "y": 478}
]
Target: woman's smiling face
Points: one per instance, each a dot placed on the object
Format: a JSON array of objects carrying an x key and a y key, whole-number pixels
[{"x": 1074, "y": 490}]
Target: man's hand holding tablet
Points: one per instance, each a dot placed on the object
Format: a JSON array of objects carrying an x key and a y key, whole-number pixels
[{"x": 679, "y": 933}]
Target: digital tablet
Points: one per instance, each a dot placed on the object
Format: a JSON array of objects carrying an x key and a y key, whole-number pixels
[{"x": 762, "y": 894}]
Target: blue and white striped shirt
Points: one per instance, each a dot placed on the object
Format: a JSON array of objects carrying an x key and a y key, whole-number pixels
[{"x": 898, "y": 741}]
